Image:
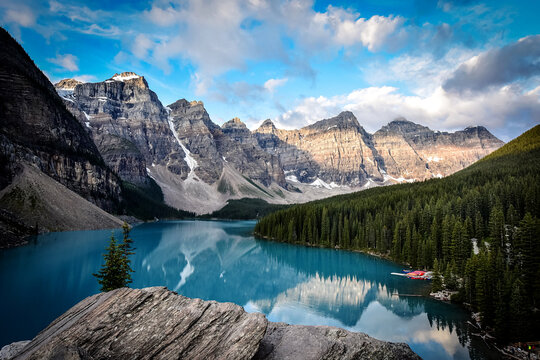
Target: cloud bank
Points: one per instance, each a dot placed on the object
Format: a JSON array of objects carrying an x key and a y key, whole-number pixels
[{"x": 516, "y": 61}]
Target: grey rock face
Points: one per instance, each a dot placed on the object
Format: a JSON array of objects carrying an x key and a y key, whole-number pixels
[
  {"x": 198, "y": 133},
  {"x": 191, "y": 152},
  {"x": 123, "y": 157},
  {"x": 336, "y": 150},
  {"x": 339, "y": 150},
  {"x": 37, "y": 129},
  {"x": 155, "y": 323},
  {"x": 123, "y": 107},
  {"x": 244, "y": 151},
  {"x": 212, "y": 145},
  {"x": 295, "y": 161},
  {"x": 10, "y": 350},
  {"x": 151, "y": 323},
  {"x": 416, "y": 152},
  {"x": 283, "y": 341}
]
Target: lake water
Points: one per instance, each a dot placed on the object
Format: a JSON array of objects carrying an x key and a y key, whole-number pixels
[{"x": 221, "y": 261}]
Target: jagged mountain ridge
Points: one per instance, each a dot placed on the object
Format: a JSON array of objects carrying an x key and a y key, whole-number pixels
[
  {"x": 178, "y": 145},
  {"x": 416, "y": 152},
  {"x": 200, "y": 165},
  {"x": 38, "y": 133}
]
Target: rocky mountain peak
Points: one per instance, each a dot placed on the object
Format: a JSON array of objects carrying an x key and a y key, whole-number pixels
[
  {"x": 479, "y": 132},
  {"x": 37, "y": 130},
  {"x": 183, "y": 104},
  {"x": 67, "y": 84},
  {"x": 268, "y": 123},
  {"x": 130, "y": 78},
  {"x": 192, "y": 111},
  {"x": 343, "y": 120},
  {"x": 267, "y": 127},
  {"x": 403, "y": 126},
  {"x": 128, "y": 75},
  {"x": 235, "y": 123}
]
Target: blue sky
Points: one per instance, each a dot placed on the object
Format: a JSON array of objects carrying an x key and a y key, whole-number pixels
[{"x": 446, "y": 64}]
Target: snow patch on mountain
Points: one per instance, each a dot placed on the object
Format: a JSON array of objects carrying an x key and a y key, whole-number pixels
[
  {"x": 123, "y": 77},
  {"x": 400, "y": 179},
  {"x": 192, "y": 163},
  {"x": 321, "y": 184}
]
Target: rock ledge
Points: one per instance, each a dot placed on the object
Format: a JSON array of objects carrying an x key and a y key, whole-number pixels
[{"x": 160, "y": 324}]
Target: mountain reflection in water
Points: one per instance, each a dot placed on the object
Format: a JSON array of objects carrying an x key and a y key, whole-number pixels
[{"x": 221, "y": 261}]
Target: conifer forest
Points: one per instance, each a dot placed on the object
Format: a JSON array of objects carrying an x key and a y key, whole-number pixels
[{"x": 478, "y": 228}]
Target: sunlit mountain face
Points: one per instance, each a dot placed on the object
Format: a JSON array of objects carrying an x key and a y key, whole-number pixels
[
  {"x": 446, "y": 64},
  {"x": 222, "y": 261}
]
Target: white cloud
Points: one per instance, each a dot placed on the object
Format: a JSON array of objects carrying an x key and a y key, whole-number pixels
[
  {"x": 272, "y": 84},
  {"x": 141, "y": 46},
  {"x": 66, "y": 62},
  {"x": 372, "y": 32},
  {"x": 421, "y": 73},
  {"x": 510, "y": 63},
  {"x": 95, "y": 29},
  {"x": 221, "y": 35},
  {"x": 21, "y": 15},
  {"x": 78, "y": 13},
  {"x": 375, "y": 106},
  {"x": 162, "y": 17}
]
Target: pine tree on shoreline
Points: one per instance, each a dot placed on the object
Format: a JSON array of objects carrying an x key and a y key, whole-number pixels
[{"x": 116, "y": 271}]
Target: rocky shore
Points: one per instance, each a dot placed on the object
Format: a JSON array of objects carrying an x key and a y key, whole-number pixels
[{"x": 160, "y": 324}]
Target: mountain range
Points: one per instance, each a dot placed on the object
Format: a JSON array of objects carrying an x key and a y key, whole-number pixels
[
  {"x": 94, "y": 143},
  {"x": 199, "y": 165}
]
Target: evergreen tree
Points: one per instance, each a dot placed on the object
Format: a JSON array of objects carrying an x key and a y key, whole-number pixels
[
  {"x": 496, "y": 227},
  {"x": 346, "y": 233},
  {"x": 325, "y": 227},
  {"x": 116, "y": 272},
  {"x": 529, "y": 231},
  {"x": 431, "y": 223},
  {"x": 436, "y": 281},
  {"x": 333, "y": 233},
  {"x": 291, "y": 233},
  {"x": 518, "y": 320}
]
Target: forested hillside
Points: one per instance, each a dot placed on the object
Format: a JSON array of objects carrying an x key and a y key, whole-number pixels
[{"x": 479, "y": 227}]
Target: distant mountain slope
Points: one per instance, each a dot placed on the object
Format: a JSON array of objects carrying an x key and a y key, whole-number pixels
[
  {"x": 480, "y": 224},
  {"x": 338, "y": 150},
  {"x": 37, "y": 128},
  {"x": 40, "y": 139},
  {"x": 413, "y": 151},
  {"x": 200, "y": 165},
  {"x": 39, "y": 203}
]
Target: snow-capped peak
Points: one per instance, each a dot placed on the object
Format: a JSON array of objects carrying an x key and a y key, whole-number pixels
[{"x": 125, "y": 76}]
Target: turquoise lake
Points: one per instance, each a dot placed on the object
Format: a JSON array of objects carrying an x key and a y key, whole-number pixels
[{"x": 218, "y": 260}]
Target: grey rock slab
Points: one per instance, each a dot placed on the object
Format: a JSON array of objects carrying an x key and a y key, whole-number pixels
[
  {"x": 151, "y": 323},
  {"x": 283, "y": 341},
  {"x": 10, "y": 350}
]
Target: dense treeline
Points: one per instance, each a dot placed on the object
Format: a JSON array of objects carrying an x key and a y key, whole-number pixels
[
  {"x": 480, "y": 228},
  {"x": 245, "y": 209},
  {"x": 147, "y": 203}
]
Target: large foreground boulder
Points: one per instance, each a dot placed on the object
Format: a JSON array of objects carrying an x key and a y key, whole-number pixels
[
  {"x": 283, "y": 341},
  {"x": 155, "y": 323}
]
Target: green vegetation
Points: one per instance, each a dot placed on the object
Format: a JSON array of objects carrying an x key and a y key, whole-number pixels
[
  {"x": 225, "y": 188},
  {"x": 116, "y": 272},
  {"x": 244, "y": 209},
  {"x": 147, "y": 203},
  {"x": 431, "y": 224},
  {"x": 257, "y": 186}
]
